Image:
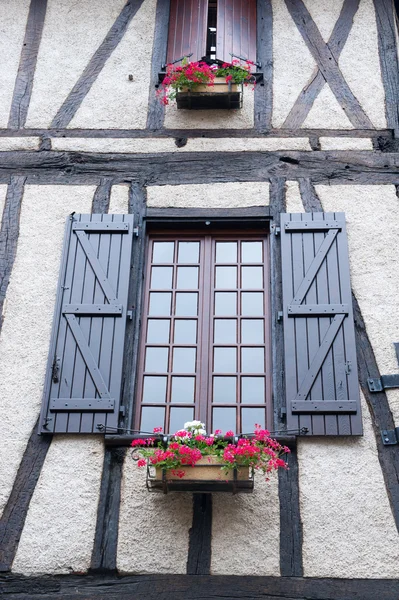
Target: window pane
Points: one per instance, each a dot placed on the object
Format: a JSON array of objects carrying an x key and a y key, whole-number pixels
[
  {"x": 161, "y": 278},
  {"x": 160, "y": 303},
  {"x": 184, "y": 360},
  {"x": 252, "y": 331},
  {"x": 252, "y": 360},
  {"x": 179, "y": 416},
  {"x": 188, "y": 252},
  {"x": 225, "y": 390},
  {"x": 224, "y": 419},
  {"x": 163, "y": 252},
  {"x": 252, "y": 278},
  {"x": 250, "y": 417},
  {"x": 154, "y": 390},
  {"x": 251, "y": 252},
  {"x": 156, "y": 360},
  {"x": 225, "y": 304},
  {"x": 152, "y": 416},
  {"x": 186, "y": 304},
  {"x": 225, "y": 360},
  {"x": 252, "y": 304},
  {"x": 185, "y": 331},
  {"x": 187, "y": 278},
  {"x": 226, "y": 277},
  {"x": 158, "y": 331},
  {"x": 183, "y": 389},
  {"x": 226, "y": 252},
  {"x": 253, "y": 390},
  {"x": 225, "y": 331}
]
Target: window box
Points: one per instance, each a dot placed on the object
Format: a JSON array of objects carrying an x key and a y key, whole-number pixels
[{"x": 220, "y": 95}]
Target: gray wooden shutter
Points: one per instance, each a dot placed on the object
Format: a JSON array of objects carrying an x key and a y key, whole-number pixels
[
  {"x": 84, "y": 374},
  {"x": 322, "y": 389}
]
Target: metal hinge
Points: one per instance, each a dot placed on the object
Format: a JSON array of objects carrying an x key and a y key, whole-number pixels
[
  {"x": 390, "y": 437},
  {"x": 277, "y": 230},
  {"x": 279, "y": 316},
  {"x": 136, "y": 231},
  {"x": 282, "y": 413},
  {"x": 383, "y": 383},
  {"x": 122, "y": 411},
  {"x": 129, "y": 315}
]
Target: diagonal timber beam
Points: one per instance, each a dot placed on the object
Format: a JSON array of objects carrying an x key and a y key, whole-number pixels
[{"x": 327, "y": 64}]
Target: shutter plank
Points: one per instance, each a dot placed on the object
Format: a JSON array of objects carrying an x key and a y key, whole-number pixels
[
  {"x": 236, "y": 30},
  {"x": 319, "y": 331},
  {"x": 187, "y": 29}
]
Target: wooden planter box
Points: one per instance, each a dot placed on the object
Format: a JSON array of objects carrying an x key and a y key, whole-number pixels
[
  {"x": 220, "y": 95},
  {"x": 205, "y": 477}
]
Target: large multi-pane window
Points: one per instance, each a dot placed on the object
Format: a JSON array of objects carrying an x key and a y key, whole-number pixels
[{"x": 205, "y": 349}]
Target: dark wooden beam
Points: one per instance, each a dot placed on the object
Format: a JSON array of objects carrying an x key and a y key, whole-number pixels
[
  {"x": 101, "y": 197},
  {"x": 9, "y": 233},
  {"x": 290, "y": 519},
  {"x": 156, "y": 110},
  {"x": 200, "y": 538},
  {"x": 81, "y": 88},
  {"x": 27, "y": 64},
  {"x": 327, "y": 64},
  {"x": 389, "y": 63},
  {"x": 264, "y": 90},
  {"x": 192, "y": 587},
  {"x": 308, "y": 95},
  {"x": 378, "y": 404},
  {"x": 16, "y": 509}
]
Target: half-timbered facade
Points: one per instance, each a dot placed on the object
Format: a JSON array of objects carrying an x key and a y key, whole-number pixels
[{"x": 128, "y": 227}]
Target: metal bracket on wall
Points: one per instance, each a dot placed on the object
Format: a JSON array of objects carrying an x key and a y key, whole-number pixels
[
  {"x": 390, "y": 437},
  {"x": 385, "y": 382}
]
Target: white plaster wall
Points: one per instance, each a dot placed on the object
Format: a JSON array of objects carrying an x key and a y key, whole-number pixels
[
  {"x": 65, "y": 51},
  {"x": 336, "y": 143},
  {"x": 114, "y": 101},
  {"x": 60, "y": 526},
  {"x": 209, "y": 195},
  {"x": 19, "y": 143},
  {"x": 293, "y": 198},
  {"x": 372, "y": 214},
  {"x": 13, "y": 17},
  {"x": 3, "y": 194},
  {"x": 119, "y": 200},
  {"x": 250, "y": 522},
  {"x": 325, "y": 14},
  {"x": 28, "y": 315},
  {"x": 326, "y": 112},
  {"x": 153, "y": 528},
  {"x": 348, "y": 527}
]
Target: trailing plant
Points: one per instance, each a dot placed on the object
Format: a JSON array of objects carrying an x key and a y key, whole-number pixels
[
  {"x": 190, "y": 75},
  {"x": 186, "y": 447}
]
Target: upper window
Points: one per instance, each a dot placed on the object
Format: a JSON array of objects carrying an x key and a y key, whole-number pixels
[
  {"x": 220, "y": 30},
  {"x": 205, "y": 350}
]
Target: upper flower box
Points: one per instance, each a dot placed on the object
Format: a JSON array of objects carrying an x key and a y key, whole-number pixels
[{"x": 221, "y": 94}]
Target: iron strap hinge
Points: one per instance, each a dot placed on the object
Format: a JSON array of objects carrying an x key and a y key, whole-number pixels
[
  {"x": 383, "y": 383},
  {"x": 390, "y": 437},
  {"x": 136, "y": 231}
]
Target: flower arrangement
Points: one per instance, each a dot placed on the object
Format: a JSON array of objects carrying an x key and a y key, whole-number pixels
[
  {"x": 189, "y": 445},
  {"x": 190, "y": 75}
]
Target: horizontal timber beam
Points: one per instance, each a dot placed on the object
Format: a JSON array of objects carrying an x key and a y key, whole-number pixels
[
  {"x": 189, "y": 587},
  {"x": 202, "y": 167}
]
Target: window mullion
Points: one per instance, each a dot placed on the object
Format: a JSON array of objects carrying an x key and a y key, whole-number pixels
[{"x": 205, "y": 320}]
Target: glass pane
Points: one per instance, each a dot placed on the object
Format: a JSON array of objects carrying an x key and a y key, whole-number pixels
[
  {"x": 225, "y": 304},
  {"x": 252, "y": 304},
  {"x": 160, "y": 303},
  {"x": 161, "y": 278},
  {"x": 154, "y": 390},
  {"x": 225, "y": 331},
  {"x": 253, "y": 390},
  {"x": 226, "y": 277},
  {"x": 226, "y": 252},
  {"x": 251, "y": 417},
  {"x": 187, "y": 278},
  {"x": 252, "y": 360},
  {"x": 185, "y": 332},
  {"x": 225, "y": 360},
  {"x": 184, "y": 360},
  {"x": 224, "y": 419},
  {"x": 183, "y": 389},
  {"x": 152, "y": 416},
  {"x": 251, "y": 252},
  {"x": 158, "y": 331},
  {"x": 188, "y": 252},
  {"x": 179, "y": 416},
  {"x": 252, "y": 331},
  {"x": 252, "y": 278},
  {"x": 186, "y": 304},
  {"x": 156, "y": 360},
  {"x": 163, "y": 252},
  {"x": 225, "y": 390}
]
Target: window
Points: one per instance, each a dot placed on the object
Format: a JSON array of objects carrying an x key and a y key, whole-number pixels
[{"x": 205, "y": 349}]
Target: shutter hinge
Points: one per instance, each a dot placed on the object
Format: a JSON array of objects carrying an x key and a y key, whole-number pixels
[
  {"x": 129, "y": 315},
  {"x": 136, "y": 231},
  {"x": 348, "y": 367},
  {"x": 277, "y": 230},
  {"x": 282, "y": 413},
  {"x": 122, "y": 411},
  {"x": 390, "y": 437},
  {"x": 55, "y": 370},
  {"x": 382, "y": 383},
  {"x": 279, "y": 316}
]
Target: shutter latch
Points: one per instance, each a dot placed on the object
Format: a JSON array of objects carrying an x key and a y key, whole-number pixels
[{"x": 55, "y": 370}]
